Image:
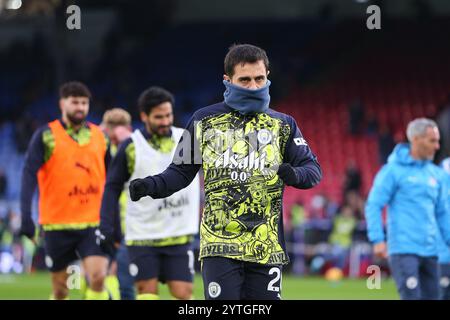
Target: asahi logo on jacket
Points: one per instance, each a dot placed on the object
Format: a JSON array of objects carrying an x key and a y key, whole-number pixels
[
  {"x": 169, "y": 203},
  {"x": 234, "y": 161}
]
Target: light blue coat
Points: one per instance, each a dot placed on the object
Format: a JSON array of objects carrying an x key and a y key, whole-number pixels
[
  {"x": 415, "y": 192},
  {"x": 444, "y": 251}
]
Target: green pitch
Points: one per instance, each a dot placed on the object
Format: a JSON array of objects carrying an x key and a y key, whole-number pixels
[{"x": 37, "y": 286}]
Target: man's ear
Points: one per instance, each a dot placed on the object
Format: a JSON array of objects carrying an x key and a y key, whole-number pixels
[
  {"x": 268, "y": 72},
  {"x": 226, "y": 78},
  {"x": 144, "y": 116},
  {"x": 61, "y": 102}
]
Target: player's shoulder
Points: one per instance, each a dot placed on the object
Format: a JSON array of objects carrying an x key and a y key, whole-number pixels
[
  {"x": 211, "y": 110},
  {"x": 281, "y": 116},
  {"x": 177, "y": 129},
  {"x": 43, "y": 128},
  {"x": 41, "y": 136},
  {"x": 126, "y": 145},
  {"x": 390, "y": 167},
  {"x": 391, "y": 170},
  {"x": 42, "y": 131},
  {"x": 177, "y": 132}
]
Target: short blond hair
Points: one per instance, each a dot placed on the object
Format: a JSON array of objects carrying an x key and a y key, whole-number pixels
[{"x": 116, "y": 117}]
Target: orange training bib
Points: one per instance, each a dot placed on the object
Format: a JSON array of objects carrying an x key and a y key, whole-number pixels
[{"x": 71, "y": 182}]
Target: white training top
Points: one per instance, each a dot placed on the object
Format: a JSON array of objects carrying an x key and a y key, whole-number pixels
[{"x": 149, "y": 218}]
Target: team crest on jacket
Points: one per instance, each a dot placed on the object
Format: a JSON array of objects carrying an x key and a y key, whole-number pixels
[{"x": 264, "y": 136}]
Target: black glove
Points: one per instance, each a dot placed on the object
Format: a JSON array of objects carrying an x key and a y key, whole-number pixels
[
  {"x": 288, "y": 174},
  {"x": 27, "y": 228},
  {"x": 139, "y": 188},
  {"x": 106, "y": 243}
]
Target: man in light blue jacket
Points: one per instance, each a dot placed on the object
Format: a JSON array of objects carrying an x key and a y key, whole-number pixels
[
  {"x": 415, "y": 191},
  {"x": 444, "y": 251}
]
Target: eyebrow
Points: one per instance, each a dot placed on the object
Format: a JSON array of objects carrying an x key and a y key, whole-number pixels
[
  {"x": 164, "y": 115},
  {"x": 249, "y": 78}
]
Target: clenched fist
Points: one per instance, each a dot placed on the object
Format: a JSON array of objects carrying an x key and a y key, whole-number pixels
[{"x": 139, "y": 188}]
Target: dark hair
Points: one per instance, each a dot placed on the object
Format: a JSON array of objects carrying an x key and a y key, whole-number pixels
[
  {"x": 153, "y": 97},
  {"x": 74, "y": 89},
  {"x": 243, "y": 53}
]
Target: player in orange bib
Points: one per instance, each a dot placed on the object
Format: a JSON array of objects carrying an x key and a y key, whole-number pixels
[{"x": 67, "y": 159}]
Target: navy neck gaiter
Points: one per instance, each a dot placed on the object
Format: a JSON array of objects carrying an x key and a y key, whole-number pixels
[{"x": 245, "y": 100}]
